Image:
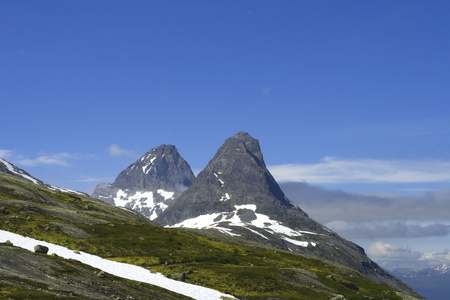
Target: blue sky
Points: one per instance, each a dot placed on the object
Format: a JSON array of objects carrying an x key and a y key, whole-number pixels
[{"x": 350, "y": 95}]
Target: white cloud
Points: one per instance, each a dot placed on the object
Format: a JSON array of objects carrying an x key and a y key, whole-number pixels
[
  {"x": 334, "y": 170},
  {"x": 436, "y": 258},
  {"x": 392, "y": 257},
  {"x": 115, "y": 150},
  {"x": 386, "y": 250},
  {"x": 48, "y": 159},
  {"x": 6, "y": 153}
]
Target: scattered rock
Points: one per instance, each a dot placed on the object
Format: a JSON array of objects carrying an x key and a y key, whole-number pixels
[
  {"x": 179, "y": 276},
  {"x": 40, "y": 249},
  {"x": 101, "y": 274}
]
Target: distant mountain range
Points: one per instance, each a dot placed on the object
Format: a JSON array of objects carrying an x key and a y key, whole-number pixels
[
  {"x": 234, "y": 199},
  {"x": 433, "y": 282}
]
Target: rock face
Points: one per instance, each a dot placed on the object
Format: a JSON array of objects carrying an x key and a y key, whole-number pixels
[
  {"x": 236, "y": 195},
  {"x": 151, "y": 184}
]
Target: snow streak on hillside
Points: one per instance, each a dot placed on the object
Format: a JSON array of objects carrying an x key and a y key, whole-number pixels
[{"x": 123, "y": 270}]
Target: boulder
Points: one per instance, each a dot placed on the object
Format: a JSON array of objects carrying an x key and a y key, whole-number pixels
[{"x": 40, "y": 249}]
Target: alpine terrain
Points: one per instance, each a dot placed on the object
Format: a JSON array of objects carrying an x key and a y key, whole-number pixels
[
  {"x": 149, "y": 185},
  {"x": 237, "y": 196},
  {"x": 85, "y": 248}
]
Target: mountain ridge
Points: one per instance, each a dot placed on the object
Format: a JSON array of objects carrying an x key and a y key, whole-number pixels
[{"x": 9, "y": 168}]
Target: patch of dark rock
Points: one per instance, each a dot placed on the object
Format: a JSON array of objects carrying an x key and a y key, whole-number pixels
[
  {"x": 246, "y": 215},
  {"x": 41, "y": 249}
]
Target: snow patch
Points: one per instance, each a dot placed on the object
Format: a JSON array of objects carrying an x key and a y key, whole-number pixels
[
  {"x": 295, "y": 242},
  {"x": 226, "y": 231},
  {"x": 150, "y": 164},
  {"x": 226, "y": 197},
  {"x": 256, "y": 232},
  {"x": 123, "y": 270},
  {"x": 166, "y": 195},
  {"x": 246, "y": 206},
  {"x": 142, "y": 200},
  {"x": 221, "y": 181}
]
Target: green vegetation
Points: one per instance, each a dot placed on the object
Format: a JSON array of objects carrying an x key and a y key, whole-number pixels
[{"x": 85, "y": 224}]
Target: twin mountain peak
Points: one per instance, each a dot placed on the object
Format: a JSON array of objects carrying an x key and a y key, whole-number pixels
[
  {"x": 234, "y": 199},
  {"x": 161, "y": 186}
]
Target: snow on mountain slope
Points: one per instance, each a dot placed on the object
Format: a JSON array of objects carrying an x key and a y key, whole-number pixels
[
  {"x": 123, "y": 270},
  {"x": 245, "y": 216}
]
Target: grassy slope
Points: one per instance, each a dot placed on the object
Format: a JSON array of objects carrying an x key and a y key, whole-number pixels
[
  {"x": 26, "y": 275},
  {"x": 87, "y": 224}
]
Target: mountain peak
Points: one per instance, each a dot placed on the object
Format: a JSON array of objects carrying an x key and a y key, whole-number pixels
[
  {"x": 150, "y": 184},
  {"x": 161, "y": 167},
  {"x": 236, "y": 177}
]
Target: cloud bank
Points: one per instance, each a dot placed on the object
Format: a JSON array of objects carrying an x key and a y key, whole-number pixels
[
  {"x": 335, "y": 170},
  {"x": 359, "y": 216},
  {"x": 393, "y": 257},
  {"x": 376, "y": 217}
]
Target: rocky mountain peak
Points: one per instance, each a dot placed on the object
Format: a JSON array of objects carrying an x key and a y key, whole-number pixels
[
  {"x": 236, "y": 177},
  {"x": 160, "y": 168},
  {"x": 151, "y": 184},
  {"x": 240, "y": 146}
]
